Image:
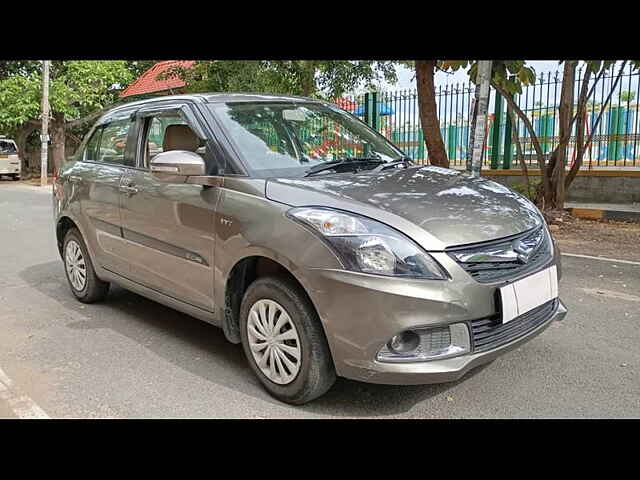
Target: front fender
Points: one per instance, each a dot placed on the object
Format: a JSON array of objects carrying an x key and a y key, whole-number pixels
[{"x": 253, "y": 226}]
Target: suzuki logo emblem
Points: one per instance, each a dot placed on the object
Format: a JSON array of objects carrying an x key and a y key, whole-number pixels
[{"x": 523, "y": 250}]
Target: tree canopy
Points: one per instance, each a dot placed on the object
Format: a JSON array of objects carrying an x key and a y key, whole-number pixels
[
  {"x": 77, "y": 88},
  {"x": 316, "y": 78}
]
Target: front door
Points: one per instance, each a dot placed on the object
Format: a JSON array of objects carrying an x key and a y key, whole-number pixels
[{"x": 169, "y": 228}]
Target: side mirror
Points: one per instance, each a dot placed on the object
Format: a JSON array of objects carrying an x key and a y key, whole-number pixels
[{"x": 175, "y": 166}]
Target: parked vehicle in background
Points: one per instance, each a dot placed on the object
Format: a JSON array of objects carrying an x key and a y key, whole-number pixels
[
  {"x": 10, "y": 164},
  {"x": 307, "y": 237}
]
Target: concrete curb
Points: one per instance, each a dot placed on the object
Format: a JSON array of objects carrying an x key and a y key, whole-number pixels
[{"x": 602, "y": 214}]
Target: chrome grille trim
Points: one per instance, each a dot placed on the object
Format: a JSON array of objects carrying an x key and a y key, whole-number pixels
[{"x": 506, "y": 269}]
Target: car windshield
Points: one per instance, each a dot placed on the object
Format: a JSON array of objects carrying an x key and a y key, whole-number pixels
[
  {"x": 287, "y": 139},
  {"x": 7, "y": 147}
]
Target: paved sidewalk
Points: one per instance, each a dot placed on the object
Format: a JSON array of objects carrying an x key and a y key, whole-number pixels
[
  {"x": 625, "y": 212},
  {"x": 621, "y": 207}
]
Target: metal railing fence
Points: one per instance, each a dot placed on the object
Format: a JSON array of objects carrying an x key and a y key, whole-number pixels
[{"x": 616, "y": 141}]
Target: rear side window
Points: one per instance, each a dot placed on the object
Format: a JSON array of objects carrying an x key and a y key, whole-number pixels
[
  {"x": 113, "y": 141},
  {"x": 7, "y": 147}
]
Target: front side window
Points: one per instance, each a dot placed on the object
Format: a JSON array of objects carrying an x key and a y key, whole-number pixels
[
  {"x": 288, "y": 138},
  {"x": 113, "y": 142},
  {"x": 169, "y": 132}
]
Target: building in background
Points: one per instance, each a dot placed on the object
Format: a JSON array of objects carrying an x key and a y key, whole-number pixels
[{"x": 149, "y": 84}]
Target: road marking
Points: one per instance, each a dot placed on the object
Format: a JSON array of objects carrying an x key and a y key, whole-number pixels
[
  {"x": 601, "y": 258},
  {"x": 19, "y": 403},
  {"x": 612, "y": 294}
]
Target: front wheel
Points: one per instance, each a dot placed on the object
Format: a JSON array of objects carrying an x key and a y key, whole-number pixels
[{"x": 284, "y": 341}]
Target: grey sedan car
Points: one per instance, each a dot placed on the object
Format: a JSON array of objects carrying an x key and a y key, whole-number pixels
[{"x": 307, "y": 237}]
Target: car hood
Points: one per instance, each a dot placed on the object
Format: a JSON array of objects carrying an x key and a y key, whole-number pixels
[{"x": 437, "y": 207}]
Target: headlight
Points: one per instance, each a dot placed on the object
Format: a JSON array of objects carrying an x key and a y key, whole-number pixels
[{"x": 365, "y": 245}]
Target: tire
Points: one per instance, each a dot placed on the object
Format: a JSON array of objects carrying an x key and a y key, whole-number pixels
[
  {"x": 92, "y": 289},
  {"x": 315, "y": 372},
  {"x": 15, "y": 178}
]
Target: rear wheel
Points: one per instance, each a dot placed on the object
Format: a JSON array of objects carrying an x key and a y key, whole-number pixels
[
  {"x": 284, "y": 341},
  {"x": 15, "y": 177},
  {"x": 84, "y": 283}
]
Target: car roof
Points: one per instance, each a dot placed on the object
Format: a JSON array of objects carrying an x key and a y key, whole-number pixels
[
  {"x": 213, "y": 97},
  {"x": 124, "y": 109}
]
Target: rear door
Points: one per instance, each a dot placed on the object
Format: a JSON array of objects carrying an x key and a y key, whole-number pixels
[
  {"x": 169, "y": 228},
  {"x": 96, "y": 179}
]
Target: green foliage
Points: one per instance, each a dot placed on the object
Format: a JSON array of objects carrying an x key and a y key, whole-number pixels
[
  {"x": 19, "y": 100},
  {"x": 521, "y": 188},
  {"x": 512, "y": 75},
  {"x": 627, "y": 96},
  {"x": 138, "y": 67},
  {"x": 334, "y": 78},
  {"x": 76, "y": 89},
  {"x": 508, "y": 74},
  {"x": 233, "y": 76},
  {"x": 297, "y": 77},
  {"x": 86, "y": 86},
  {"x": 18, "y": 67}
]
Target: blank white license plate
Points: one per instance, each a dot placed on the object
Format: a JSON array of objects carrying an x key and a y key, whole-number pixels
[{"x": 528, "y": 293}]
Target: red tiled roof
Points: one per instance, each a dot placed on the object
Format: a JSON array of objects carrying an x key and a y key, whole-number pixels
[
  {"x": 149, "y": 83},
  {"x": 346, "y": 104}
]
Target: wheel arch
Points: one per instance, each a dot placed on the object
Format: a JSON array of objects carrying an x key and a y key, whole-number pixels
[
  {"x": 63, "y": 225},
  {"x": 243, "y": 273}
]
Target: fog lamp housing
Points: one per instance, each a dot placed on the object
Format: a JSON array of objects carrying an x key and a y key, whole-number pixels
[
  {"x": 403, "y": 343},
  {"x": 425, "y": 344}
]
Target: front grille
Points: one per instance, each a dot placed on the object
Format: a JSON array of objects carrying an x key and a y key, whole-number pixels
[
  {"x": 502, "y": 271},
  {"x": 490, "y": 332}
]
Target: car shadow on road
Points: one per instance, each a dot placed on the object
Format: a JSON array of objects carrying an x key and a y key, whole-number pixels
[{"x": 162, "y": 330}]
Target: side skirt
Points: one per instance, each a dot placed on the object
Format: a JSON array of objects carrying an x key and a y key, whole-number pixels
[{"x": 156, "y": 296}]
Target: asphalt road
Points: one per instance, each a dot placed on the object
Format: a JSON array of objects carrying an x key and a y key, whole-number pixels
[{"x": 132, "y": 358}]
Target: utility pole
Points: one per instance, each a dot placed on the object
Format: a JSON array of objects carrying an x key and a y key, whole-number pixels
[
  {"x": 481, "y": 107},
  {"x": 44, "y": 137}
]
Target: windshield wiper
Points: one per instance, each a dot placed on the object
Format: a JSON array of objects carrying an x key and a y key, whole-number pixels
[
  {"x": 352, "y": 161},
  {"x": 406, "y": 161}
]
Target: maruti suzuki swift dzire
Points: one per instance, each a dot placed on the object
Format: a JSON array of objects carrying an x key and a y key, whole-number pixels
[{"x": 307, "y": 237}]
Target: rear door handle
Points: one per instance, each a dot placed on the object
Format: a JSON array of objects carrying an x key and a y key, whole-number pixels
[{"x": 128, "y": 189}]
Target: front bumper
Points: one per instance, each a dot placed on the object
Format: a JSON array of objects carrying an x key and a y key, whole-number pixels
[
  {"x": 447, "y": 370},
  {"x": 372, "y": 309},
  {"x": 9, "y": 169}
]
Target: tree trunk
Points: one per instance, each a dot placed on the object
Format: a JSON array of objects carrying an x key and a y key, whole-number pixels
[
  {"x": 429, "y": 114},
  {"x": 580, "y": 146},
  {"x": 554, "y": 196},
  {"x": 540, "y": 156},
  {"x": 580, "y": 125},
  {"x": 516, "y": 140},
  {"x": 21, "y": 137},
  {"x": 58, "y": 138},
  {"x": 308, "y": 77}
]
